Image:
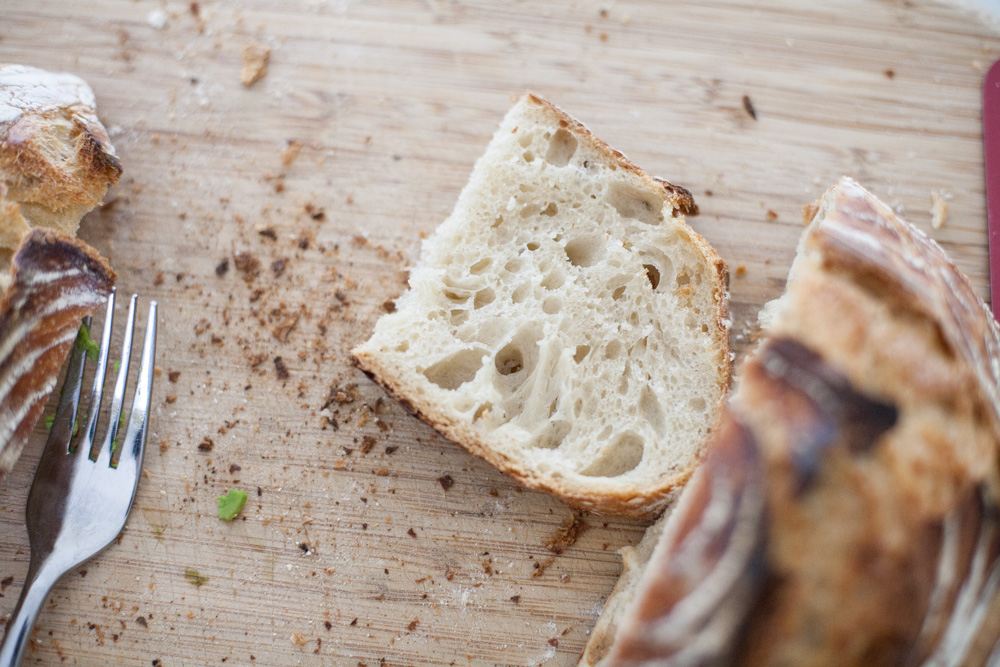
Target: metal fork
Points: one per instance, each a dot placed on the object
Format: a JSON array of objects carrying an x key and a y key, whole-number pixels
[{"x": 78, "y": 503}]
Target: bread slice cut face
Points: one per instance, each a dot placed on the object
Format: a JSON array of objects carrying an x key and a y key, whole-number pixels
[{"x": 564, "y": 323}]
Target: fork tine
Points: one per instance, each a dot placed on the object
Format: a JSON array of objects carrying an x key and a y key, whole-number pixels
[
  {"x": 97, "y": 391},
  {"x": 61, "y": 434},
  {"x": 118, "y": 397},
  {"x": 129, "y": 454}
]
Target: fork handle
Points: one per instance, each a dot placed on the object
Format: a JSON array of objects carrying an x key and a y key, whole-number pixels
[{"x": 39, "y": 583}]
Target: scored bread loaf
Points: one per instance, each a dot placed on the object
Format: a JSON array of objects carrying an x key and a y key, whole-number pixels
[
  {"x": 56, "y": 164},
  {"x": 848, "y": 511},
  {"x": 564, "y": 322}
]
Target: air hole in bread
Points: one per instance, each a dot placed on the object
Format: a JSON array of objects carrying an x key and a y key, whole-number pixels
[
  {"x": 554, "y": 280},
  {"x": 618, "y": 293},
  {"x": 456, "y": 369},
  {"x": 553, "y": 406},
  {"x": 635, "y": 204},
  {"x": 457, "y": 297},
  {"x": 509, "y": 360},
  {"x": 581, "y": 352},
  {"x": 553, "y": 434},
  {"x": 483, "y": 297},
  {"x": 482, "y": 411},
  {"x": 458, "y": 316},
  {"x": 528, "y": 156},
  {"x": 585, "y": 251},
  {"x": 683, "y": 278},
  {"x": 520, "y": 293},
  {"x": 552, "y": 305},
  {"x": 618, "y": 458},
  {"x": 480, "y": 266},
  {"x": 697, "y": 404},
  {"x": 561, "y": 149},
  {"x": 653, "y": 274},
  {"x": 498, "y": 221},
  {"x": 533, "y": 245},
  {"x": 403, "y": 347},
  {"x": 529, "y": 210},
  {"x": 651, "y": 410},
  {"x": 525, "y": 139},
  {"x": 578, "y": 408},
  {"x": 613, "y": 349},
  {"x": 550, "y": 210},
  {"x": 514, "y": 265}
]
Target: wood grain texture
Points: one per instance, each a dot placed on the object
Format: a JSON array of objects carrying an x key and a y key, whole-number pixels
[{"x": 392, "y": 103}]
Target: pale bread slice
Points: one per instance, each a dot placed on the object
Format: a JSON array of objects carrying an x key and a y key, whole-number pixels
[{"x": 564, "y": 323}]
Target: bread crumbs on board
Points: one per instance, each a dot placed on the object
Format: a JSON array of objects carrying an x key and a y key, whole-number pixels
[{"x": 254, "y": 59}]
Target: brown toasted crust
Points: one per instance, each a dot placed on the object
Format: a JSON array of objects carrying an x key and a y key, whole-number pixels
[
  {"x": 680, "y": 198},
  {"x": 873, "y": 406},
  {"x": 646, "y": 504},
  {"x": 56, "y": 281}
]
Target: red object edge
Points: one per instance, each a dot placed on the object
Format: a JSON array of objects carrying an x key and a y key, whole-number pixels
[{"x": 991, "y": 158}]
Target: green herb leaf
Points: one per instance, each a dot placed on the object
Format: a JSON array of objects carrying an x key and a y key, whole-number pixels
[
  {"x": 115, "y": 366},
  {"x": 86, "y": 343},
  {"x": 231, "y": 504},
  {"x": 49, "y": 421},
  {"x": 194, "y": 578}
]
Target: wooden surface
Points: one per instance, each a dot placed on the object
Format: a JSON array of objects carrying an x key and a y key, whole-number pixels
[{"x": 364, "y": 558}]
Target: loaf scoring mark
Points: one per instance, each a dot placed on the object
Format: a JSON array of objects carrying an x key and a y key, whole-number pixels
[
  {"x": 837, "y": 411},
  {"x": 56, "y": 281},
  {"x": 966, "y": 582},
  {"x": 710, "y": 567}
]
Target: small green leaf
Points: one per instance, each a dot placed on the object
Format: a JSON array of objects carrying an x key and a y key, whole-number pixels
[
  {"x": 194, "y": 578},
  {"x": 86, "y": 343},
  {"x": 115, "y": 366},
  {"x": 231, "y": 504},
  {"x": 49, "y": 421},
  {"x": 76, "y": 427}
]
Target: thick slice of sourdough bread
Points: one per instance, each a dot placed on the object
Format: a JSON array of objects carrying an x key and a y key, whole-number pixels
[
  {"x": 848, "y": 512},
  {"x": 564, "y": 322}
]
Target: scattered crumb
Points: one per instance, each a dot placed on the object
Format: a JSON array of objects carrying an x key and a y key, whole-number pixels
[
  {"x": 255, "y": 59},
  {"x": 446, "y": 482},
  {"x": 413, "y": 625},
  {"x": 298, "y": 639},
  {"x": 173, "y": 375},
  {"x": 554, "y": 642},
  {"x": 741, "y": 271},
  {"x": 291, "y": 152},
  {"x": 280, "y": 368},
  {"x": 222, "y": 268},
  {"x": 567, "y": 535},
  {"x": 748, "y": 107},
  {"x": 516, "y": 599},
  {"x": 889, "y": 74},
  {"x": 939, "y": 208},
  {"x": 541, "y": 566},
  {"x": 771, "y": 215},
  {"x": 206, "y": 445}
]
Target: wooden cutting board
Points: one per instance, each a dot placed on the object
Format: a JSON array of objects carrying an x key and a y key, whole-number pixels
[{"x": 326, "y": 174}]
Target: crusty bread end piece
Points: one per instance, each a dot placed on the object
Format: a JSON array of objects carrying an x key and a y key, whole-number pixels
[
  {"x": 848, "y": 511},
  {"x": 56, "y": 161},
  {"x": 564, "y": 323}
]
